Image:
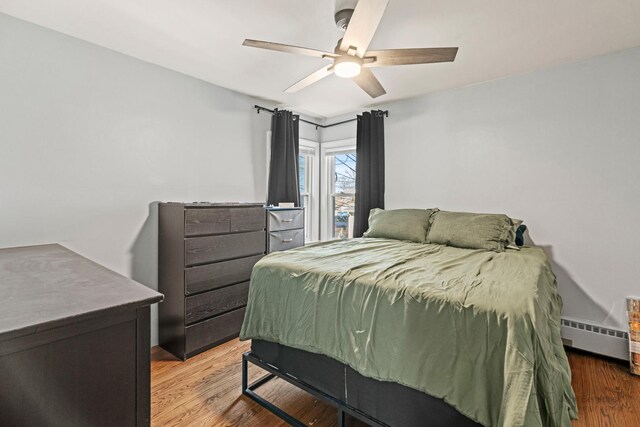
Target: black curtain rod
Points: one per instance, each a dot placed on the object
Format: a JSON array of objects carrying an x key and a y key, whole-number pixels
[{"x": 317, "y": 125}]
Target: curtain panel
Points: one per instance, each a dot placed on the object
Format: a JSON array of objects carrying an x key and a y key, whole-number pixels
[
  {"x": 283, "y": 167},
  {"x": 369, "y": 168}
]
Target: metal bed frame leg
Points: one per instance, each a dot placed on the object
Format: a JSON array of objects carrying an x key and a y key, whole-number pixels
[
  {"x": 248, "y": 390},
  {"x": 273, "y": 372},
  {"x": 245, "y": 368},
  {"x": 342, "y": 418}
]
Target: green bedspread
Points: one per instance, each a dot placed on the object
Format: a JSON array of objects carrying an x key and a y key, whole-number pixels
[{"x": 478, "y": 329}]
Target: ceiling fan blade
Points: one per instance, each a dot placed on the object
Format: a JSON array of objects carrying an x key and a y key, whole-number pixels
[
  {"x": 363, "y": 25},
  {"x": 369, "y": 83},
  {"x": 288, "y": 48},
  {"x": 411, "y": 56},
  {"x": 311, "y": 78}
]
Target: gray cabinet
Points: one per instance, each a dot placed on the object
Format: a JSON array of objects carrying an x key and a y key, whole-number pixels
[
  {"x": 285, "y": 227},
  {"x": 205, "y": 257}
]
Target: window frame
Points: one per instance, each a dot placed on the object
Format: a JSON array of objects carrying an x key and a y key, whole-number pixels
[
  {"x": 327, "y": 151},
  {"x": 310, "y": 149}
]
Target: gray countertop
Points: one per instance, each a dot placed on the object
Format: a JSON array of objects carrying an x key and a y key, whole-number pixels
[{"x": 47, "y": 286}]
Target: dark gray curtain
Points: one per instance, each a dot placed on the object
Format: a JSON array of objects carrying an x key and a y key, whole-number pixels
[
  {"x": 283, "y": 168},
  {"x": 369, "y": 168}
]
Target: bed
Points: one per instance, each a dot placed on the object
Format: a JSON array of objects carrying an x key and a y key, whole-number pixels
[{"x": 468, "y": 336}]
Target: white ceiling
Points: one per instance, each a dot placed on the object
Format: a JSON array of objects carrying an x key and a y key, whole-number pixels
[{"x": 203, "y": 38}]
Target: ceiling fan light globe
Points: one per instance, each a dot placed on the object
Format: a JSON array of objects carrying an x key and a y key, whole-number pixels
[
  {"x": 347, "y": 66},
  {"x": 347, "y": 69}
]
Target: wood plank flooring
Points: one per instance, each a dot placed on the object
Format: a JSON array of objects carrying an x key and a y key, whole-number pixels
[
  {"x": 205, "y": 391},
  {"x": 607, "y": 394}
]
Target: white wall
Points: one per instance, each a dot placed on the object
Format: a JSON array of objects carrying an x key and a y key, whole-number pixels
[
  {"x": 90, "y": 139},
  {"x": 559, "y": 148}
]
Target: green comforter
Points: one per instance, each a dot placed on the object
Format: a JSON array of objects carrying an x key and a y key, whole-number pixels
[{"x": 478, "y": 329}]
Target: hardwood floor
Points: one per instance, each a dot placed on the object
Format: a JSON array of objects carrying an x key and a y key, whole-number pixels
[
  {"x": 205, "y": 391},
  {"x": 607, "y": 394}
]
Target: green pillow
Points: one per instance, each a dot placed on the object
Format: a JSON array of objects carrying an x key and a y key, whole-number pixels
[
  {"x": 399, "y": 224},
  {"x": 470, "y": 230}
]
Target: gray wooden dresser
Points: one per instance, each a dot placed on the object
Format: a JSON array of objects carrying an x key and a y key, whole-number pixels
[
  {"x": 74, "y": 341},
  {"x": 285, "y": 227},
  {"x": 205, "y": 257}
]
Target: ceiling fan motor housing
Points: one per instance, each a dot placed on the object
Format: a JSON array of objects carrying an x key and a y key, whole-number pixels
[{"x": 342, "y": 18}]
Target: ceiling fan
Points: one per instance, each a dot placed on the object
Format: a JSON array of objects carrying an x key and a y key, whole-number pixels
[{"x": 351, "y": 59}]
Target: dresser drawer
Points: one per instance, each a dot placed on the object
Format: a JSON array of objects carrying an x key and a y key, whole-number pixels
[
  {"x": 247, "y": 219},
  {"x": 200, "y": 250},
  {"x": 200, "y": 221},
  {"x": 285, "y": 219},
  {"x": 211, "y": 276},
  {"x": 283, "y": 240},
  {"x": 211, "y": 303},
  {"x": 211, "y": 332}
]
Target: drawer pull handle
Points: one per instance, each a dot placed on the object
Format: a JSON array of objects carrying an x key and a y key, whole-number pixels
[
  {"x": 287, "y": 220},
  {"x": 287, "y": 240}
]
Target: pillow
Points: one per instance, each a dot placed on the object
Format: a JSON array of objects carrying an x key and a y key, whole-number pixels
[
  {"x": 470, "y": 230},
  {"x": 399, "y": 224},
  {"x": 513, "y": 234},
  {"x": 520, "y": 235}
]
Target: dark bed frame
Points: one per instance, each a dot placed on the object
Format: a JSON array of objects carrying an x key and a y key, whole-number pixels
[{"x": 377, "y": 403}]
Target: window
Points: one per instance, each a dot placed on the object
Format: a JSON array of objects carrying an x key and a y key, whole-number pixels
[
  {"x": 327, "y": 180},
  {"x": 339, "y": 188},
  {"x": 309, "y": 187},
  {"x": 303, "y": 169},
  {"x": 343, "y": 191}
]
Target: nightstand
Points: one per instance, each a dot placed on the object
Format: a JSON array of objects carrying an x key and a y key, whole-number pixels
[{"x": 285, "y": 228}]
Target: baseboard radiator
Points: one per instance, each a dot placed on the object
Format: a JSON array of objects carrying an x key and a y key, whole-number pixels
[{"x": 596, "y": 339}]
